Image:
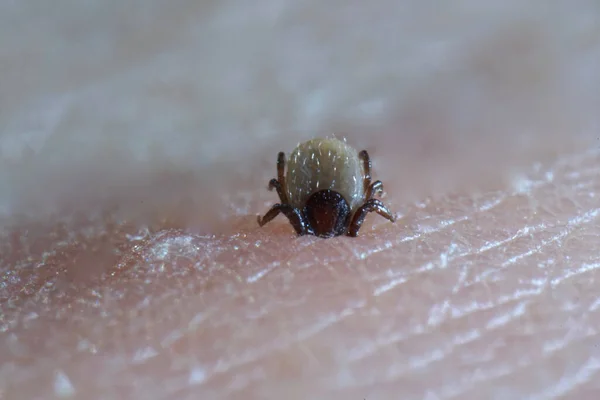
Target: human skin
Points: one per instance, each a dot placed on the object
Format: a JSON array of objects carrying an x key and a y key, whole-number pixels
[{"x": 131, "y": 260}]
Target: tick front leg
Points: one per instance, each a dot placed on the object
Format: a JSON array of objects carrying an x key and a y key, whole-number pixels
[
  {"x": 364, "y": 156},
  {"x": 279, "y": 183},
  {"x": 275, "y": 184},
  {"x": 281, "y": 177},
  {"x": 292, "y": 214},
  {"x": 374, "y": 189},
  {"x": 370, "y": 206}
]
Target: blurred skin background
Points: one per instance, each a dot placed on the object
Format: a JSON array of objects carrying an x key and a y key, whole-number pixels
[{"x": 136, "y": 143}]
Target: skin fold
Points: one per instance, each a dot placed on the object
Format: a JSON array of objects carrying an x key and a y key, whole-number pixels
[{"x": 135, "y": 157}]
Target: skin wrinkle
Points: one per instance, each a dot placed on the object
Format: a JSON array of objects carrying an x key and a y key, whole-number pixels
[
  {"x": 250, "y": 359},
  {"x": 519, "y": 309}
]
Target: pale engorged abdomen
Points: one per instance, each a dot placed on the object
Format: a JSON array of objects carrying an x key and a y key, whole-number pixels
[{"x": 325, "y": 164}]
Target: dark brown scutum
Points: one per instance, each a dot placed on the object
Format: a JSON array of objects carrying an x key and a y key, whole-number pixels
[{"x": 327, "y": 213}]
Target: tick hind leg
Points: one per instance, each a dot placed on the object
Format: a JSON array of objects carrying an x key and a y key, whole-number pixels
[
  {"x": 360, "y": 214},
  {"x": 279, "y": 184},
  {"x": 292, "y": 214}
]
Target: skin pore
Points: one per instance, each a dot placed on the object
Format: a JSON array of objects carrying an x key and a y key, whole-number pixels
[{"x": 135, "y": 159}]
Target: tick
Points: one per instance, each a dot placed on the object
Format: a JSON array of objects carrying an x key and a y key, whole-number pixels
[{"x": 327, "y": 189}]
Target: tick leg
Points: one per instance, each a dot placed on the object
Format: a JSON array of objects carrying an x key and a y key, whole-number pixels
[
  {"x": 281, "y": 177},
  {"x": 364, "y": 156},
  {"x": 370, "y": 206},
  {"x": 292, "y": 214},
  {"x": 275, "y": 184},
  {"x": 374, "y": 189},
  {"x": 279, "y": 183}
]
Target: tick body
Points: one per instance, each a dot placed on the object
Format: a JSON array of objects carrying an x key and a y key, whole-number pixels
[{"x": 325, "y": 189}]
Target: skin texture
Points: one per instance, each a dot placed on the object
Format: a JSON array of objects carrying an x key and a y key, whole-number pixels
[{"x": 134, "y": 162}]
